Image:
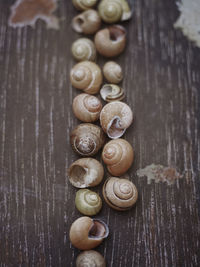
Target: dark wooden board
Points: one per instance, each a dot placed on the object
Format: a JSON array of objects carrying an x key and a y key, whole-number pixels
[{"x": 162, "y": 82}]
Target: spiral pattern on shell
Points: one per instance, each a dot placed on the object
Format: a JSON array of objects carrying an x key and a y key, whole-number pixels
[
  {"x": 111, "y": 41},
  {"x": 90, "y": 258},
  {"x": 88, "y": 22},
  {"x": 110, "y": 11},
  {"x": 83, "y": 49},
  {"x": 113, "y": 72},
  {"x": 86, "y": 76},
  {"x": 111, "y": 92},
  {"x": 120, "y": 194},
  {"x": 88, "y": 202},
  {"x": 118, "y": 155},
  {"x": 87, "y": 139},
  {"x": 115, "y": 118},
  {"x": 86, "y": 107},
  {"x": 84, "y": 4}
]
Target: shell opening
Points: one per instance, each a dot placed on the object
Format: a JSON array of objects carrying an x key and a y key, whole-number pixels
[
  {"x": 85, "y": 146},
  {"x": 116, "y": 33},
  {"x": 98, "y": 230},
  {"x": 77, "y": 24},
  {"x": 77, "y": 174},
  {"x": 115, "y": 128}
]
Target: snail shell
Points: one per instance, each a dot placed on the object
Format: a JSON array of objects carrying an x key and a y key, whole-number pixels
[
  {"x": 86, "y": 76},
  {"x": 112, "y": 11},
  {"x": 120, "y": 194},
  {"x": 111, "y": 92},
  {"x": 115, "y": 118},
  {"x": 90, "y": 258},
  {"x": 87, "y": 139},
  {"x": 118, "y": 155},
  {"x": 85, "y": 172},
  {"x": 84, "y": 4},
  {"x": 87, "y": 233},
  {"x": 88, "y": 22},
  {"x": 111, "y": 41},
  {"x": 113, "y": 72},
  {"x": 88, "y": 202},
  {"x": 86, "y": 107},
  {"x": 83, "y": 49}
]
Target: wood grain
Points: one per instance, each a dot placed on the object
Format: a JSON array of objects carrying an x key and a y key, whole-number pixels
[{"x": 162, "y": 81}]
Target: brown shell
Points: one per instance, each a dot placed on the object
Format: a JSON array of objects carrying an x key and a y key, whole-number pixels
[
  {"x": 118, "y": 155},
  {"x": 84, "y": 4},
  {"x": 85, "y": 172},
  {"x": 115, "y": 118},
  {"x": 88, "y": 22},
  {"x": 111, "y": 92},
  {"x": 86, "y": 107},
  {"x": 86, "y": 76},
  {"x": 83, "y": 49},
  {"x": 87, "y": 139},
  {"x": 87, "y": 233},
  {"x": 120, "y": 194},
  {"x": 111, "y": 41}
]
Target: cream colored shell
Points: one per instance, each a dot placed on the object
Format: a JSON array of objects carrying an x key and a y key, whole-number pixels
[
  {"x": 118, "y": 155},
  {"x": 88, "y": 22},
  {"x": 88, "y": 202},
  {"x": 113, "y": 72},
  {"x": 111, "y": 41},
  {"x": 86, "y": 76},
  {"x": 85, "y": 172},
  {"x": 84, "y": 4},
  {"x": 87, "y": 139},
  {"x": 86, "y": 107},
  {"x": 115, "y": 118},
  {"x": 87, "y": 233},
  {"x": 111, "y": 92},
  {"x": 90, "y": 258},
  {"x": 83, "y": 49},
  {"x": 120, "y": 194},
  {"x": 112, "y": 11}
]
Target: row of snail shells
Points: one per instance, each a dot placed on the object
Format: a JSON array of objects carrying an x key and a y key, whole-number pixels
[
  {"x": 84, "y": 4},
  {"x": 115, "y": 118},
  {"x": 111, "y": 41},
  {"x": 112, "y": 11},
  {"x": 85, "y": 172},
  {"x": 86, "y": 76},
  {"x": 87, "y": 233},
  {"x": 113, "y": 72},
  {"x": 120, "y": 194},
  {"x": 88, "y": 202},
  {"x": 111, "y": 92},
  {"x": 86, "y": 107},
  {"x": 90, "y": 258},
  {"x": 87, "y": 139},
  {"x": 118, "y": 155},
  {"x": 83, "y": 49},
  {"x": 87, "y": 22}
]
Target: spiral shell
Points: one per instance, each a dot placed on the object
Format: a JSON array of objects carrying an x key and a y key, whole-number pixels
[
  {"x": 83, "y": 49},
  {"x": 111, "y": 92},
  {"x": 112, "y": 11},
  {"x": 85, "y": 172},
  {"x": 120, "y": 194},
  {"x": 86, "y": 76},
  {"x": 88, "y": 202},
  {"x": 87, "y": 233},
  {"x": 88, "y": 22},
  {"x": 90, "y": 258},
  {"x": 111, "y": 41},
  {"x": 118, "y": 155},
  {"x": 87, "y": 139},
  {"x": 113, "y": 72},
  {"x": 115, "y": 118},
  {"x": 84, "y": 4},
  {"x": 86, "y": 107}
]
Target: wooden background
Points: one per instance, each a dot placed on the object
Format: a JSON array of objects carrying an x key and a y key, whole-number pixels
[{"x": 162, "y": 82}]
